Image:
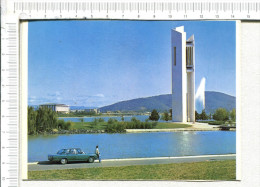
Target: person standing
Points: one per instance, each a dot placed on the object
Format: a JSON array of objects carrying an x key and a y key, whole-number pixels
[{"x": 98, "y": 153}]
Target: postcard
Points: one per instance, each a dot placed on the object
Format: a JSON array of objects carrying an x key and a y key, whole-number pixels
[{"x": 131, "y": 100}]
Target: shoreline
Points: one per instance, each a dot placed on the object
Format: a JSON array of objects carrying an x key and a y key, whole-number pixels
[
  {"x": 105, "y": 116},
  {"x": 168, "y": 130},
  {"x": 193, "y": 127},
  {"x": 131, "y": 131}
]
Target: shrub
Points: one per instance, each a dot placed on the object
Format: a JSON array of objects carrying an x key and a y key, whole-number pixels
[
  {"x": 216, "y": 122},
  {"x": 64, "y": 125},
  {"x": 154, "y": 124},
  {"x": 94, "y": 123},
  {"x": 221, "y": 114},
  {"x": 101, "y": 120},
  {"x": 133, "y": 119},
  {"x": 115, "y": 128},
  {"x": 67, "y": 125},
  {"x": 61, "y": 124},
  {"x": 111, "y": 121}
]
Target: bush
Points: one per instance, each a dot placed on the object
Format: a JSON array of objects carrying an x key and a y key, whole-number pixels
[
  {"x": 221, "y": 114},
  {"x": 64, "y": 125},
  {"x": 154, "y": 124},
  {"x": 148, "y": 125},
  {"x": 101, "y": 120},
  {"x": 61, "y": 124},
  {"x": 111, "y": 121},
  {"x": 133, "y": 119},
  {"x": 67, "y": 125},
  {"x": 216, "y": 122},
  {"x": 115, "y": 128}
]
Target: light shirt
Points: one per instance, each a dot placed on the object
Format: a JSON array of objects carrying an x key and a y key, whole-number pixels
[{"x": 97, "y": 151}]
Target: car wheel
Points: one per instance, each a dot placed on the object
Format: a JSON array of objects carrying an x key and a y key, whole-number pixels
[
  {"x": 91, "y": 160},
  {"x": 64, "y": 161}
]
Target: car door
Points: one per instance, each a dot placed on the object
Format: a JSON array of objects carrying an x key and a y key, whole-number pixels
[
  {"x": 71, "y": 156},
  {"x": 81, "y": 156}
]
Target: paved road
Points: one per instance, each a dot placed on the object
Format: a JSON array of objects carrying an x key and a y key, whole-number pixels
[{"x": 128, "y": 162}]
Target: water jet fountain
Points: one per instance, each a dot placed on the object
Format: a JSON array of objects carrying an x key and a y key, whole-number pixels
[{"x": 200, "y": 96}]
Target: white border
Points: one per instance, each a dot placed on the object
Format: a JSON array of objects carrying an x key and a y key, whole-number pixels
[{"x": 247, "y": 85}]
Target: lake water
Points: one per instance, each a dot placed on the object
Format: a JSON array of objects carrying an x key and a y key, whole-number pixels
[
  {"x": 90, "y": 119},
  {"x": 136, "y": 145}
]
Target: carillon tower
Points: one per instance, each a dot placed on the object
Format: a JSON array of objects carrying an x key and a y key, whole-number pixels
[{"x": 183, "y": 76}]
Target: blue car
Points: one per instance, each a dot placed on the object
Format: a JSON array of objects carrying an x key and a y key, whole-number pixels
[{"x": 73, "y": 154}]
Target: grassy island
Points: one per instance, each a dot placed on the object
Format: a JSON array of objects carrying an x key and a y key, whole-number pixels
[{"x": 45, "y": 121}]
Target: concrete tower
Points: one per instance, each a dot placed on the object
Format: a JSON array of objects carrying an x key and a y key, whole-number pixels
[{"x": 183, "y": 76}]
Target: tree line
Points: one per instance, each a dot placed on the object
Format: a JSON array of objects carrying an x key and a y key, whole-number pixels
[
  {"x": 166, "y": 116},
  {"x": 220, "y": 114},
  {"x": 43, "y": 120}
]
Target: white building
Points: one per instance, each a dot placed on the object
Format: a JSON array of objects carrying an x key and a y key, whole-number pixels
[
  {"x": 95, "y": 110},
  {"x": 183, "y": 76},
  {"x": 57, "y": 107}
]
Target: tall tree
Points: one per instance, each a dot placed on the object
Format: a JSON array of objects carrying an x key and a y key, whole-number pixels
[
  {"x": 221, "y": 114},
  {"x": 166, "y": 116},
  {"x": 197, "y": 115},
  {"x": 233, "y": 114},
  {"x": 203, "y": 115},
  {"x": 170, "y": 111},
  {"x": 154, "y": 115},
  {"x": 32, "y": 115}
]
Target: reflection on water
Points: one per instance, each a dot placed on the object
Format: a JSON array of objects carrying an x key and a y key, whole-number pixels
[{"x": 134, "y": 145}]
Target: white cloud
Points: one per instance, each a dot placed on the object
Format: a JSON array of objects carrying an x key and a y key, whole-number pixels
[{"x": 99, "y": 95}]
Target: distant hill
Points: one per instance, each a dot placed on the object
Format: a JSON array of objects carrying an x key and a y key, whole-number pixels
[
  {"x": 160, "y": 102},
  {"x": 213, "y": 100},
  {"x": 80, "y": 107}
]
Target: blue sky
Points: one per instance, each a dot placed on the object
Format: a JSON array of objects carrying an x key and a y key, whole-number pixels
[{"x": 96, "y": 63}]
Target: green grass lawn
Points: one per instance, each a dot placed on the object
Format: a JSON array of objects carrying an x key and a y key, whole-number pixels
[
  {"x": 102, "y": 125},
  {"x": 87, "y": 125},
  {"x": 208, "y": 170}
]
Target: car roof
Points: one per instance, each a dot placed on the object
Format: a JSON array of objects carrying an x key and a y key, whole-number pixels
[{"x": 71, "y": 148}]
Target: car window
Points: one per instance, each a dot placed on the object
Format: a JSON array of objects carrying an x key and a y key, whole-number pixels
[
  {"x": 62, "y": 151},
  {"x": 79, "y": 151},
  {"x": 73, "y": 151}
]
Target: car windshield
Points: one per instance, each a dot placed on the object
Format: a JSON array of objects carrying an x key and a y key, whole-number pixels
[{"x": 62, "y": 151}]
